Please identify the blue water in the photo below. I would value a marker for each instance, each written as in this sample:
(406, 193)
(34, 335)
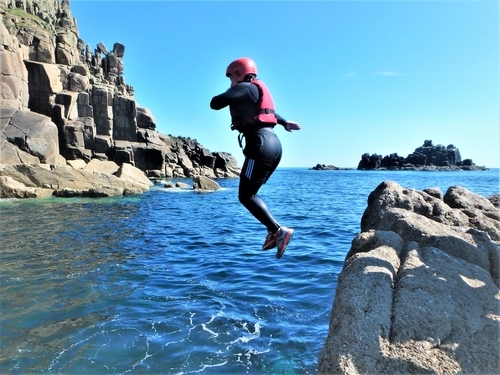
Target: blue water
(174, 281)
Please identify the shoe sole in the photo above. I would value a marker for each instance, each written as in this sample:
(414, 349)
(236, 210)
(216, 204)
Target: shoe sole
(288, 237)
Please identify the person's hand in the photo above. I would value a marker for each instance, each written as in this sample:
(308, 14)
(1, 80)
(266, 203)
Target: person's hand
(291, 125)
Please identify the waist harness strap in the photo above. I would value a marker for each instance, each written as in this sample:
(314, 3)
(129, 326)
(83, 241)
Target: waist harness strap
(265, 111)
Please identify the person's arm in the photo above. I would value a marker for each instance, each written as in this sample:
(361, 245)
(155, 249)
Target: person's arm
(288, 125)
(281, 120)
(243, 91)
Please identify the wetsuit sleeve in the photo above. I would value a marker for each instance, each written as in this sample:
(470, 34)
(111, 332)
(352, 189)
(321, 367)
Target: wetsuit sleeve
(281, 120)
(242, 92)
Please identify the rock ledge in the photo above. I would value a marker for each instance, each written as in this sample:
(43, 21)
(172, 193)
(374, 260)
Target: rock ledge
(97, 179)
(419, 290)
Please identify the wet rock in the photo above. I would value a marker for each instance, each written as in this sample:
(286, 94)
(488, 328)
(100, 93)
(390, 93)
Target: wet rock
(205, 183)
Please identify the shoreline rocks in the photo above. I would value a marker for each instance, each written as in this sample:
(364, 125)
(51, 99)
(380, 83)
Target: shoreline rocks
(41, 181)
(419, 289)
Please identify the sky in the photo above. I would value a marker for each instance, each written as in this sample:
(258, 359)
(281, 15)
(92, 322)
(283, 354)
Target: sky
(377, 77)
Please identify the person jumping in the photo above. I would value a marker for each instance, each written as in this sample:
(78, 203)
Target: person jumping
(252, 114)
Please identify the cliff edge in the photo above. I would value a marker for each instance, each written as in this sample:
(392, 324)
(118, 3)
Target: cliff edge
(419, 290)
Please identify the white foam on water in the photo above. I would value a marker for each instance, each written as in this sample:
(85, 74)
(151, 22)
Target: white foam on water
(209, 366)
(248, 355)
(204, 325)
(214, 334)
(250, 336)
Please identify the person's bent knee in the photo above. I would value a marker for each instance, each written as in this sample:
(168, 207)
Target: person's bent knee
(244, 199)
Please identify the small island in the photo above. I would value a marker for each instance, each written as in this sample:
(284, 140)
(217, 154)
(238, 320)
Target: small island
(425, 158)
(324, 167)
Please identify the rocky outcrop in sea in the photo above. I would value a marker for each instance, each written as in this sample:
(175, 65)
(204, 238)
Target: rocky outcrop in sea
(427, 157)
(328, 167)
(419, 289)
(62, 100)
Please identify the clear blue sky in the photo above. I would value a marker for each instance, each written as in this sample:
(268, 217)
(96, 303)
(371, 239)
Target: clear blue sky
(359, 76)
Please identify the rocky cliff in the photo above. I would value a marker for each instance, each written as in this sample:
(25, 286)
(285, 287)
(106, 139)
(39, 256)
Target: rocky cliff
(426, 157)
(419, 289)
(62, 100)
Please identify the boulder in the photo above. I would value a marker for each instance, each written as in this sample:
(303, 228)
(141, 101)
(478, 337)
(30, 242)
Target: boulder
(10, 188)
(100, 166)
(76, 164)
(33, 133)
(185, 162)
(418, 292)
(66, 50)
(78, 82)
(11, 154)
(495, 200)
(65, 181)
(204, 183)
(128, 172)
(145, 119)
(182, 185)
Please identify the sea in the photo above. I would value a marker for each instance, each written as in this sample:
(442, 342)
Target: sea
(174, 281)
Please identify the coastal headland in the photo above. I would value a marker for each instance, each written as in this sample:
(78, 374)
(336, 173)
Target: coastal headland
(65, 105)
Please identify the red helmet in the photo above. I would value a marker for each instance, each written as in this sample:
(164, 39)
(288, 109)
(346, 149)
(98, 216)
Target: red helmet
(239, 68)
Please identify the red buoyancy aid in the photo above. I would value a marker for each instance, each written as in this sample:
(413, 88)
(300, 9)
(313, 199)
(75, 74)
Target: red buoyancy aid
(264, 114)
(265, 106)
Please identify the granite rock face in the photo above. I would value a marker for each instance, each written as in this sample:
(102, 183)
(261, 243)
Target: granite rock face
(419, 290)
(80, 102)
(32, 133)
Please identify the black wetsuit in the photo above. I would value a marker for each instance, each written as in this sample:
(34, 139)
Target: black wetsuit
(262, 151)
